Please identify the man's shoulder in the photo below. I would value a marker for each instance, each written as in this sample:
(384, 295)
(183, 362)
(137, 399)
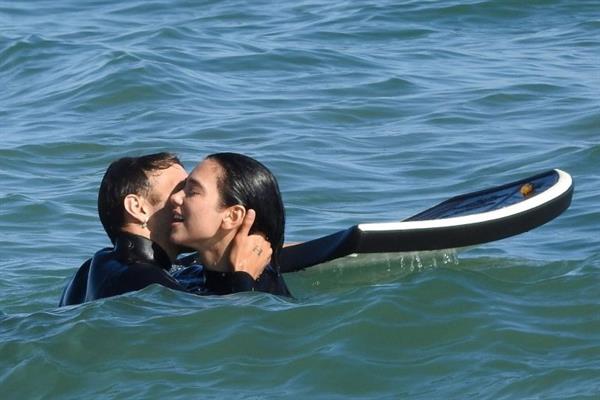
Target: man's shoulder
(74, 292)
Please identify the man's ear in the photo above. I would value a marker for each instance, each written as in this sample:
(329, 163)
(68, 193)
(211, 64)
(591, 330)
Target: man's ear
(136, 208)
(234, 216)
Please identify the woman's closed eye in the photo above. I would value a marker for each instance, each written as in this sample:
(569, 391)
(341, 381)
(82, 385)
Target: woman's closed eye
(193, 188)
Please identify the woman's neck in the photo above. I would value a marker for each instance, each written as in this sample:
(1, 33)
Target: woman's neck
(216, 256)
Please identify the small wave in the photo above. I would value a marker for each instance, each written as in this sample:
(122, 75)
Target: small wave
(390, 87)
(26, 50)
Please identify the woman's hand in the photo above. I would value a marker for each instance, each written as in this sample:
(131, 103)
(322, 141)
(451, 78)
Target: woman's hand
(249, 253)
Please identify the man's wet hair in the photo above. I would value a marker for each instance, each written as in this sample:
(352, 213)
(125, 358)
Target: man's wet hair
(247, 182)
(125, 176)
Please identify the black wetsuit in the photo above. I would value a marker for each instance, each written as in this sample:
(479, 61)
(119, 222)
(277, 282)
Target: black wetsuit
(199, 280)
(136, 262)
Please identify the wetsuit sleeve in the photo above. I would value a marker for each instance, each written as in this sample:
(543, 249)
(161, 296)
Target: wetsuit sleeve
(220, 283)
(242, 282)
(234, 282)
(271, 281)
(198, 280)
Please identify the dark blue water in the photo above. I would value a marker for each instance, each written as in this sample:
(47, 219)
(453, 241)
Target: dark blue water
(367, 111)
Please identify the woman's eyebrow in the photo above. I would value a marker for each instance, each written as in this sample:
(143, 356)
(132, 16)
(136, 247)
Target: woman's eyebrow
(179, 186)
(194, 183)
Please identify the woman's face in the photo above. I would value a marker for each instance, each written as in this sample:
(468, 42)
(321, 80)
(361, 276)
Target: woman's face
(197, 211)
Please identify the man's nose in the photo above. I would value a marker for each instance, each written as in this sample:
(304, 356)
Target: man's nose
(176, 198)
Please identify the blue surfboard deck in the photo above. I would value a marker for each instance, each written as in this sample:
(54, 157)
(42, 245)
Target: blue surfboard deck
(470, 219)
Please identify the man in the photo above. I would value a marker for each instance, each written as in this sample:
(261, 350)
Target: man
(135, 212)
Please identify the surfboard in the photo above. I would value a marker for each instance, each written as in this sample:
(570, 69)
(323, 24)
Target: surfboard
(465, 220)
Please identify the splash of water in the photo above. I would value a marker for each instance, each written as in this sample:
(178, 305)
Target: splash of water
(365, 269)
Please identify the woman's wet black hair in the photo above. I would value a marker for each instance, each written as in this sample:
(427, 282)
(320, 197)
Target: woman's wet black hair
(247, 182)
(127, 175)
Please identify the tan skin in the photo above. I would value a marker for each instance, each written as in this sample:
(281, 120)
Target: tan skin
(201, 223)
(150, 216)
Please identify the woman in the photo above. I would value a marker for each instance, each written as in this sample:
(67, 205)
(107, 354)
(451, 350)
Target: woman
(209, 210)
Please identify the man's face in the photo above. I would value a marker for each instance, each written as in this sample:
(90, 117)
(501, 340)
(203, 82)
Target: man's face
(197, 211)
(163, 183)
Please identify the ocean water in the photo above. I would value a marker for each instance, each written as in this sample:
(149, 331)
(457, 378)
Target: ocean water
(366, 111)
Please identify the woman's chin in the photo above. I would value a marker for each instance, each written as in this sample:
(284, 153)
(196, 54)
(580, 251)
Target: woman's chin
(178, 239)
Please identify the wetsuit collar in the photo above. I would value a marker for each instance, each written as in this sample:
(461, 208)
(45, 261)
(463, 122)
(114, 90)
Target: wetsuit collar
(138, 248)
